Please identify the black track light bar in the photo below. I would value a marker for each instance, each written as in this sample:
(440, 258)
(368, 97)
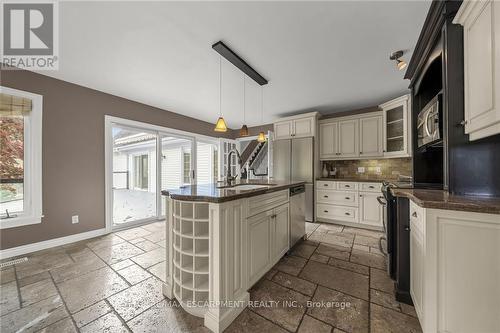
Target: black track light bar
(241, 64)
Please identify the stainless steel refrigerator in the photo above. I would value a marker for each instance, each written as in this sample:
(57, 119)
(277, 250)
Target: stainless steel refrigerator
(293, 159)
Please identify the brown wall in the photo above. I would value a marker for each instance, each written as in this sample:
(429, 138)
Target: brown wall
(73, 152)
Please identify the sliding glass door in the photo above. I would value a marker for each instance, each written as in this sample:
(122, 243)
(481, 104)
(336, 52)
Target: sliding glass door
(142, 160)
(176, 164)
(134, 175)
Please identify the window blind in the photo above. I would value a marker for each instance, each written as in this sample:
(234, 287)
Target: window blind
(14, 105)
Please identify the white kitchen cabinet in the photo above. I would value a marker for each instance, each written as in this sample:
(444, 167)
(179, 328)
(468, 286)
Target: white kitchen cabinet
(370, 137)
(353, 137)
(455, 269)
(304, 127)
(396, 127)
(268, 240)
(349, 203)
(370, 210)
(300, 126)
(283, 130)
(348, 138)
(328, 140)
(280, 232)
(259, 245)
(481, 22)
(334, 197)
(416, 257)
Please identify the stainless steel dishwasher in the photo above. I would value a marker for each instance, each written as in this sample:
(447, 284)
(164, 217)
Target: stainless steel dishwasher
(297, 213)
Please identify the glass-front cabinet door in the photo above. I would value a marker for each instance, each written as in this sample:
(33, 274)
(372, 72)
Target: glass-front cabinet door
(396, 127)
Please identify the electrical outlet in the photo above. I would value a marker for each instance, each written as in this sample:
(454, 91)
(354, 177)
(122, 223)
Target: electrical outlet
(378, 169)
(75, 219)
(361, 169)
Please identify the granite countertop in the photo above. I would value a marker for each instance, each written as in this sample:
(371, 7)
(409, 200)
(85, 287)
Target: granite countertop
(359, 180)
(440, 199)
(211, 193)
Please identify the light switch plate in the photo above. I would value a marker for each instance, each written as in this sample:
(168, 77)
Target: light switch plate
(75, 219)
(361, 169)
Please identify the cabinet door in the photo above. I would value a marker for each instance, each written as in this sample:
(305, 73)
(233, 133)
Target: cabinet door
(303, 127)
(481, 73)
(283, 130)
(328, 143)
(371, 144)
(370, 209)
(280, 234)
(416, 270)
(259, 245)
(348, 138)
(396, 131)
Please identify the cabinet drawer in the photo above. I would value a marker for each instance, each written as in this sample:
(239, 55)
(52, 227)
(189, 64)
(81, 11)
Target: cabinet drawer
(347, 186)
(264, 202)
(341, 213)
(343, 198)
(370, 187)
(326, 185)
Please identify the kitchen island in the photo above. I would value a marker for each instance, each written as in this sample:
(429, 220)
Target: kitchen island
(221, 241)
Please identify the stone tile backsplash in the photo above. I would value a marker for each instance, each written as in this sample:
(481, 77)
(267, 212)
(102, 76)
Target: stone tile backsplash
(390, 168)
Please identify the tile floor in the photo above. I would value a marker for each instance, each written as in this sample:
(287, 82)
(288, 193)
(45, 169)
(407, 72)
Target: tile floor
(333, 282)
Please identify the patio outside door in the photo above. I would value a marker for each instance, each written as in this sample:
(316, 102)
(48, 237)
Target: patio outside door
(134, 175)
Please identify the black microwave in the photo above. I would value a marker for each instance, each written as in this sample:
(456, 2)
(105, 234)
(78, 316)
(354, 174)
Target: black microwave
(429, 123)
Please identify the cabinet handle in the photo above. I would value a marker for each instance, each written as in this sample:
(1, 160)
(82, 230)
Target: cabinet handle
(325, 184)
(347, 198)
(414, 214)
(325, 211)
(273, 216)
(347, 185)
(361, 195)
(325, 196)
(371, 186)
(348, 214)
(360, 152)
(463, 123)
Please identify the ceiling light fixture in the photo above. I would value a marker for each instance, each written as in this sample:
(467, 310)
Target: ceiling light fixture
(220, 126)
(244, 128)
(262, 136)
(400, 64)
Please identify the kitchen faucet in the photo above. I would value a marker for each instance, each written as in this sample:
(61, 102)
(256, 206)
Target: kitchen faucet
(229, 177)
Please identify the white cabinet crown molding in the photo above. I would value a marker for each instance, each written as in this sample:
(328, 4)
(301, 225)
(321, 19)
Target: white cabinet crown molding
(297, 116)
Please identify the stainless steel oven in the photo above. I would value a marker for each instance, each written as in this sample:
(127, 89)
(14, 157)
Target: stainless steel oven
(429, 123)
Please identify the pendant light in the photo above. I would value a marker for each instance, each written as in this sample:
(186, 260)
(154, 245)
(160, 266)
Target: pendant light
(262, 136)
(244, 128)
(220, 126)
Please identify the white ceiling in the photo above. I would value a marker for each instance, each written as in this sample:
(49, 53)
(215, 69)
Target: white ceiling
(325, 56)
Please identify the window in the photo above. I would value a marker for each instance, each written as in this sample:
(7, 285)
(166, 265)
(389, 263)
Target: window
(186, 157)
(20, 158)
(141, 172)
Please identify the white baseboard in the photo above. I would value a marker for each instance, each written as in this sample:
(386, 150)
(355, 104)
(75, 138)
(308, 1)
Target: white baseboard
(24, 249)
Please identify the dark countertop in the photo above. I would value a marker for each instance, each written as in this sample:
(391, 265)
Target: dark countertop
(359, 180)
(440, 199)
(210, 192)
